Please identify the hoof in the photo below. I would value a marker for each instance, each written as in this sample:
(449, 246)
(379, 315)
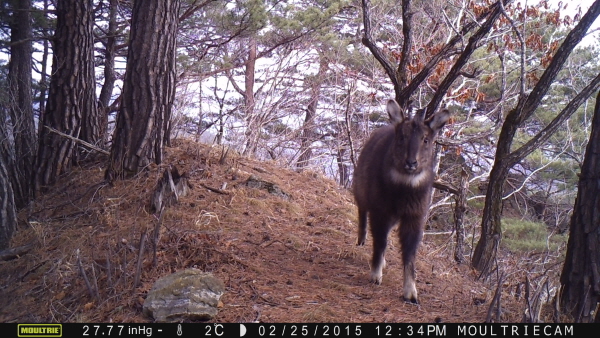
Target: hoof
(410, 293)
(376, 278)
(376, 281)
(412, 300)
(361, 240)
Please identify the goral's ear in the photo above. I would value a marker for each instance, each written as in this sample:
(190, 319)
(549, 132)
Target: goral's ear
(438, 120)
(394, 111)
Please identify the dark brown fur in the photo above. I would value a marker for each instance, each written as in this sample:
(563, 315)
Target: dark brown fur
(393, 183)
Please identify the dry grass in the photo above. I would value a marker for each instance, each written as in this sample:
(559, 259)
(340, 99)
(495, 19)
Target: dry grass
(281, 260)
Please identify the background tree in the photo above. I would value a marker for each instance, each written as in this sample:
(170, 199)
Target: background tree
(72, 95)
(8, 214)
(283, 29)
(506, 157)
(308, 127)
(46, 25)
(580, 281)
(109, 33)
(21, 105)
(149, 89)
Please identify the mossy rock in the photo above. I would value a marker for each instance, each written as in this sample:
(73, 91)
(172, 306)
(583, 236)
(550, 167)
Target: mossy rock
(185, 296)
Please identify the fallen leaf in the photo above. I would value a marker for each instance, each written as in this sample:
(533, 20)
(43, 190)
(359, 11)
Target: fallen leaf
(60, 295)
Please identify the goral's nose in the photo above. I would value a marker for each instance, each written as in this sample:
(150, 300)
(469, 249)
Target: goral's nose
(411, 165)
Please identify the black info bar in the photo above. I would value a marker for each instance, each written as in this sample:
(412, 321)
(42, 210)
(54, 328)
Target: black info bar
(257, 330)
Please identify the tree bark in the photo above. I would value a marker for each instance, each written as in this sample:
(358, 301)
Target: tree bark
(253, 120)
(44, 72)
(93, 125)
(343, 168)
(8, 214)
(253, 123)
(459, 214)
(148, 89)
(580, 278)
(109, 73)
(21, 107)
(71, 96)
(308, 132)
(491, 232)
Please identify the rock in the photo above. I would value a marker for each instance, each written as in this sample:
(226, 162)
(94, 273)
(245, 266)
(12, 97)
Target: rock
(272, 188)
(187, 295)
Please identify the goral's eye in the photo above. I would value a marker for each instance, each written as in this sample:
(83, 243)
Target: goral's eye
(426, 140)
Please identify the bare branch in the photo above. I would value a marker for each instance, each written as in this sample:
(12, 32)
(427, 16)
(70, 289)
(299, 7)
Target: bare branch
(444, 53)
(367, 40)
(218, 191)
(16, 252)
(89, 145)
(464, 57)
(194, 8)
(445, 186)
(347, 124)
(527, 106)
(138, 268)
(529, 176)
(521, 41)
(553, 126)
(496, 300)
(406, 44)
(93, 293)
(481, 135)
(234, 83)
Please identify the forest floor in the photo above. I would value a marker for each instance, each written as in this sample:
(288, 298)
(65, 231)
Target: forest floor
(282, 260)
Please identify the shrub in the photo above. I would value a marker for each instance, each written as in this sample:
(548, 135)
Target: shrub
(520, 235)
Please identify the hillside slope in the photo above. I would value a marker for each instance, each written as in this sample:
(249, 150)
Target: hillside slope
(282, 260)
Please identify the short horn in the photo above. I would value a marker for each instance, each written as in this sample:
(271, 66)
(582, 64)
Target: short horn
(420, 114)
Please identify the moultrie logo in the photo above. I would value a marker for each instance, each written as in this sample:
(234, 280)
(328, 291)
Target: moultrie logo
(39, 330)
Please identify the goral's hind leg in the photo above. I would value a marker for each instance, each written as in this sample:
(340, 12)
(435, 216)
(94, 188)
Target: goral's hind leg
(362, 226)
(411, 234)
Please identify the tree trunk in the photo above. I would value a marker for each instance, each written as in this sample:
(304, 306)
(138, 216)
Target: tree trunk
(199, 131)
(308, 133)
(580, 278)
(343, 168)
(44, 72)
(72, 96)
(252, 120)
(21, 107)
(148, 89)
(491, 231)
(93, 125)
(109, 73)
(459, 214)
(8, 214)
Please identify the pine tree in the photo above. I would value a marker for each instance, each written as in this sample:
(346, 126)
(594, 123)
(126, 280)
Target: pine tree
(149, 89)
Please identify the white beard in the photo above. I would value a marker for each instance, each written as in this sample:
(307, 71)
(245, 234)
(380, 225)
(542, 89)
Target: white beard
(410, 180)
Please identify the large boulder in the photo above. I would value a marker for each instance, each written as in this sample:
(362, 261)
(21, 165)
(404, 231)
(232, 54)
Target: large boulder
(187, 295)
